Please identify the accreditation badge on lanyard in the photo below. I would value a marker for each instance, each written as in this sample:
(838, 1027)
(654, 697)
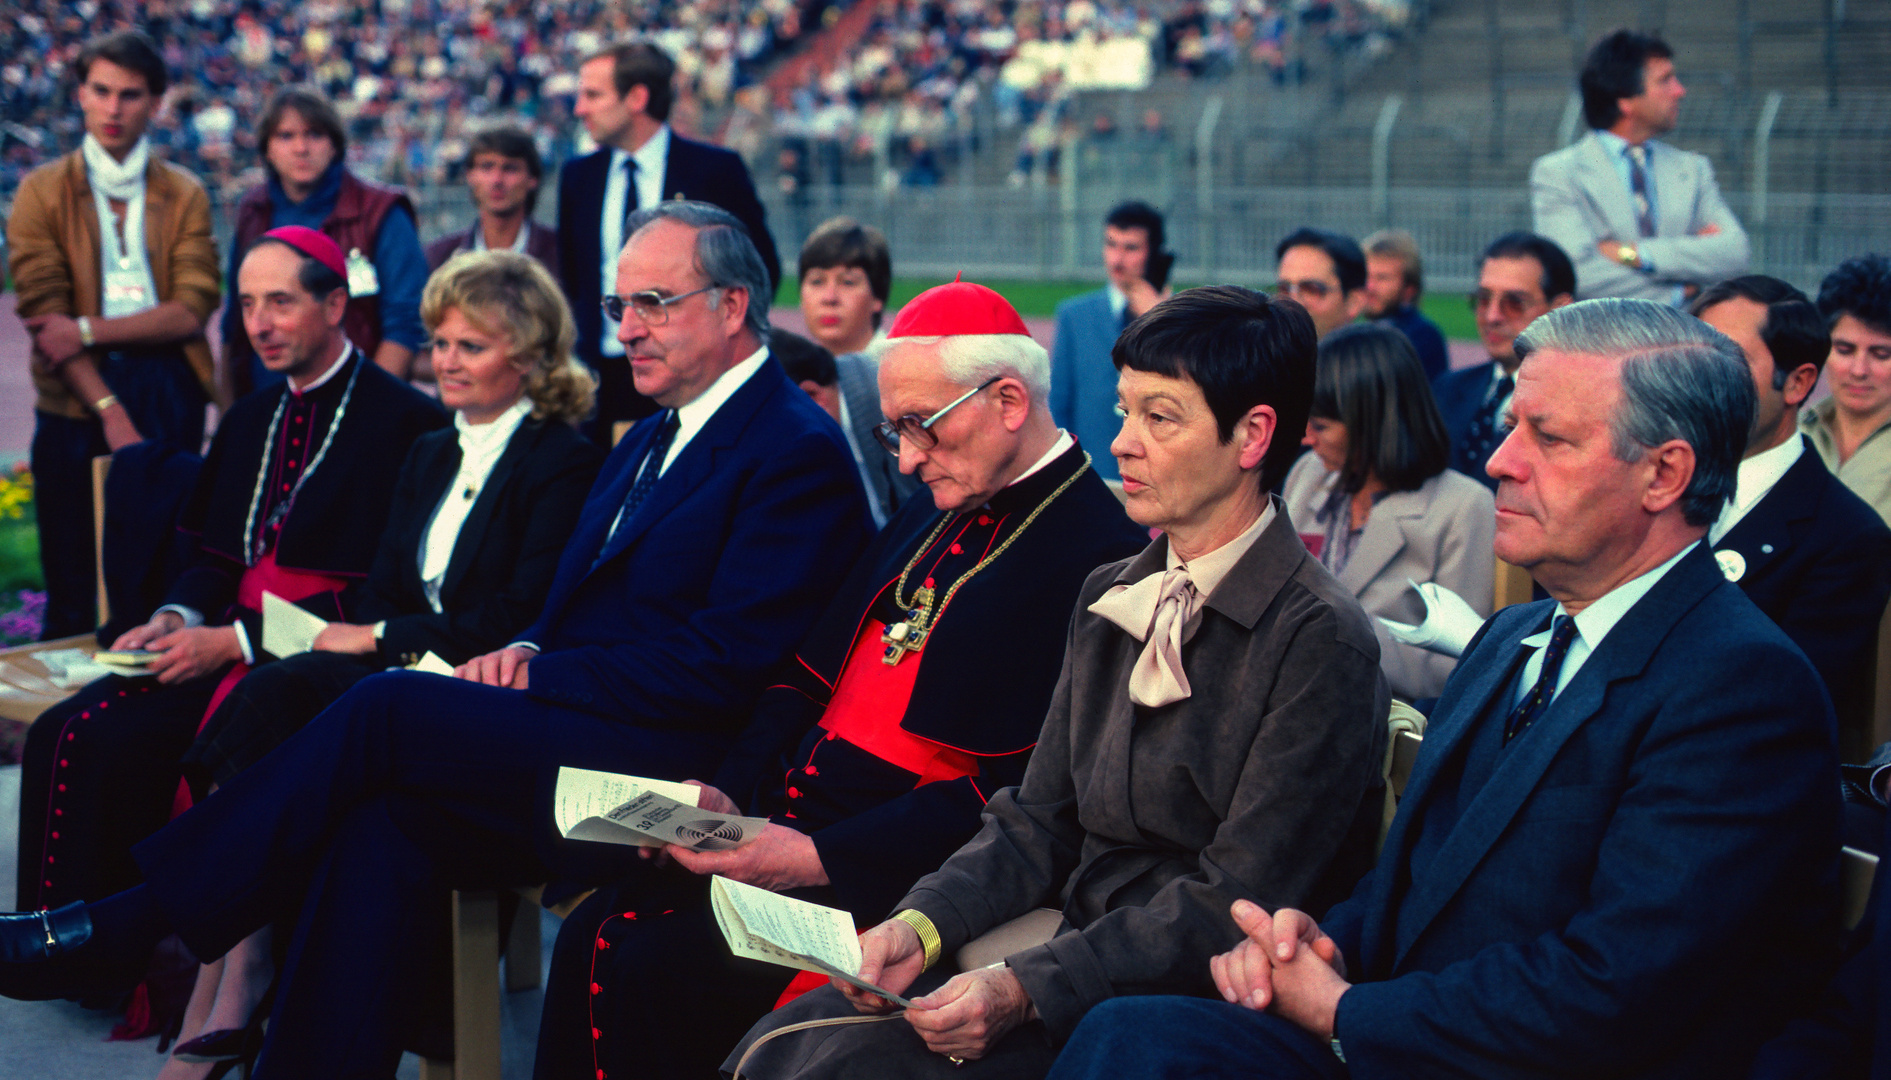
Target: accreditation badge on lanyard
(362, 280)
(127, 287)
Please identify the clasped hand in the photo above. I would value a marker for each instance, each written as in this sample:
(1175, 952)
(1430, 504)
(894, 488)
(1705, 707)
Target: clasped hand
(184, 652)
(1286, 962)
(504, 668)
(965, 1018)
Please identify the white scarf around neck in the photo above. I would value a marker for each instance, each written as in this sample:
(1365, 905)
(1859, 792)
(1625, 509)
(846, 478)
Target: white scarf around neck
(121, 180)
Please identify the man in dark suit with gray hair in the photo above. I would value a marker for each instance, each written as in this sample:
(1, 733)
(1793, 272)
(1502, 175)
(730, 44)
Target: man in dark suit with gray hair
(1617, 854)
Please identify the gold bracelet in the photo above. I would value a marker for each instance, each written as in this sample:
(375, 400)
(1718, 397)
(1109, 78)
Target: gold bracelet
(928, 933)
(106, 402)
(85, 331)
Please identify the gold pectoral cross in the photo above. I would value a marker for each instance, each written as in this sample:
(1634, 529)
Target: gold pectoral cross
(910, 633)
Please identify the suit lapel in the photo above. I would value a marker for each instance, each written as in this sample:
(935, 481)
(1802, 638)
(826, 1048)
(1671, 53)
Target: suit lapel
(1622, 655)
(1767, 531)
(473, 532)
(696, 461)
(436, 474)
(1606, 189)
(1383, 538)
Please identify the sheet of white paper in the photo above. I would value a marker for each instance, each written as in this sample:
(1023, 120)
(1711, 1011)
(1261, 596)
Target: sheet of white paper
(73, 668)
(584, 794)
(433, 665)
(287, 629)
(763, 925)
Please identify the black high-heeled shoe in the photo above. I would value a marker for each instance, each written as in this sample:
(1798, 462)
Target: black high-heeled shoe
(229, 1044)
(42, 954)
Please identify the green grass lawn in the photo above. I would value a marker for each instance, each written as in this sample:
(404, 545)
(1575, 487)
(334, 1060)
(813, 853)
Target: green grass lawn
(1040, 299)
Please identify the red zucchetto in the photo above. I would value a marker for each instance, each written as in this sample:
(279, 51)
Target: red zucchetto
(957, 307)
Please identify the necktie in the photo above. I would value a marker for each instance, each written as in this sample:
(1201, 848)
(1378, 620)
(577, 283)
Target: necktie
(1638, 184)
(647, 474)
(1482, 438)
(1537, 701)
(630, 194)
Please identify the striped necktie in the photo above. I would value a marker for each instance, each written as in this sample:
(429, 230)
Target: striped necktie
(647, 474)
(1638, 184)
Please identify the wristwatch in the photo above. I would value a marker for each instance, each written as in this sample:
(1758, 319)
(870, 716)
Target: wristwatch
(1628, 257)
(85, 331)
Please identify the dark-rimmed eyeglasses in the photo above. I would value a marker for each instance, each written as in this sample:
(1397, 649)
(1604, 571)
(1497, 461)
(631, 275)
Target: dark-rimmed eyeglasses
(1512, 305)
(651, 307)
(1311, 288)
(890, 432)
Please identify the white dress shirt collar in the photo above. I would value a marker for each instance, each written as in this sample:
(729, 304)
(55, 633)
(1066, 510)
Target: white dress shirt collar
(1758, 474)
(1119, 300)
(1593, 624)
(690, 418)
(518, 242)
(1063, 443)
(652, 159)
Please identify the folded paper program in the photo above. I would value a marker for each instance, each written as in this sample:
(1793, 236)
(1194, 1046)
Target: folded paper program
(1449, 624)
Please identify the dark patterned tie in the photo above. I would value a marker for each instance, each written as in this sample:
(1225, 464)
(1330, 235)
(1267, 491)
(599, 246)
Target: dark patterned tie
(1638, 183)
(1537, 701)
(1487, 428)
(647, 474)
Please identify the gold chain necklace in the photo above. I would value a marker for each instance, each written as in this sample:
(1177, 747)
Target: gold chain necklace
(909, 634)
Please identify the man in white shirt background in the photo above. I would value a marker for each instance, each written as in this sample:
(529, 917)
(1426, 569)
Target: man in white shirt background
(624, 97)
(1811, 554)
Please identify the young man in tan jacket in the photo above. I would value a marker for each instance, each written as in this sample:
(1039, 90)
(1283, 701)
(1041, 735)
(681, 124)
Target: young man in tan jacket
(117, 314)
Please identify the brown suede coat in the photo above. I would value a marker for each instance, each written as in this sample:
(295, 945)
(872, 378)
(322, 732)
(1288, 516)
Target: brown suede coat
(1144, 825)
(53, 253)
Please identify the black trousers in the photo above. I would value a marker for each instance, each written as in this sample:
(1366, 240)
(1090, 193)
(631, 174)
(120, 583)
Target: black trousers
(100, 774)
(408, 783)
(643, 983)
(165, 401)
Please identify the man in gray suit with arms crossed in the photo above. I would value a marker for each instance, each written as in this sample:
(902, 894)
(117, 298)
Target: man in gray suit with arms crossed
(1640, 218)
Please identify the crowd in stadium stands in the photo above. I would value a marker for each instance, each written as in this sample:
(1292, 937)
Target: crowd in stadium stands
(1144, 625)
(407, 75)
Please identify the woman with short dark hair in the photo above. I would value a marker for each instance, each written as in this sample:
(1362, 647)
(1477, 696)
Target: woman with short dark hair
(1376, 504)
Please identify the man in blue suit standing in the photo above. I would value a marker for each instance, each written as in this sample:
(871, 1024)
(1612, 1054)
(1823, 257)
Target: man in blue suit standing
(713, 538)
(1617, 854)
(1083, 377)
(1520, 276)
(624, 99)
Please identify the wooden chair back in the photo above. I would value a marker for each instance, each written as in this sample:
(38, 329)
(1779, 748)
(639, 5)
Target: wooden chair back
(1513, 586)
(1857, 869)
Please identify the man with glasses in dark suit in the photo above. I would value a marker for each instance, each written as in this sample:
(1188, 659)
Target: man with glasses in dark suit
(1325, 272)
(1520, 276)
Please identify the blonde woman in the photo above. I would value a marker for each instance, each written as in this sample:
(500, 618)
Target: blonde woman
(480, 516)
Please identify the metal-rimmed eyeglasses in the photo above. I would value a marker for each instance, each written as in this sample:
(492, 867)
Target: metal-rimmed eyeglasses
(919, 430)
(651, 307)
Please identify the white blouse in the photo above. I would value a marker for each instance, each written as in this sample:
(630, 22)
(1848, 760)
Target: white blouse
(481, 446)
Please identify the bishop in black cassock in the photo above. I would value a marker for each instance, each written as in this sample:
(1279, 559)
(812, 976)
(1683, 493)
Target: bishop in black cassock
(884, 756)
(102, 768)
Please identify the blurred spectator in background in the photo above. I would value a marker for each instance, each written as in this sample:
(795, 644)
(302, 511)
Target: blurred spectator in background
(504, 172)
(625, 93)
(1521, 276)
(1325, 273)
(846, 277)
(1376, 504)
(1640, 218)
(307, 183)
(1395, 279)
(116, 313)
(1083, 376)
(1848, 428)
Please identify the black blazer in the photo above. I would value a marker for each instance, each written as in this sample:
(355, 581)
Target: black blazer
(693, 170)
(1817, 560)
(1460, 395)
(505, 556)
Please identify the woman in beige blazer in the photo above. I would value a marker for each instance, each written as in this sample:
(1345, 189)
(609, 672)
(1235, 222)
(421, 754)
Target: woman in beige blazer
(1376, 504)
